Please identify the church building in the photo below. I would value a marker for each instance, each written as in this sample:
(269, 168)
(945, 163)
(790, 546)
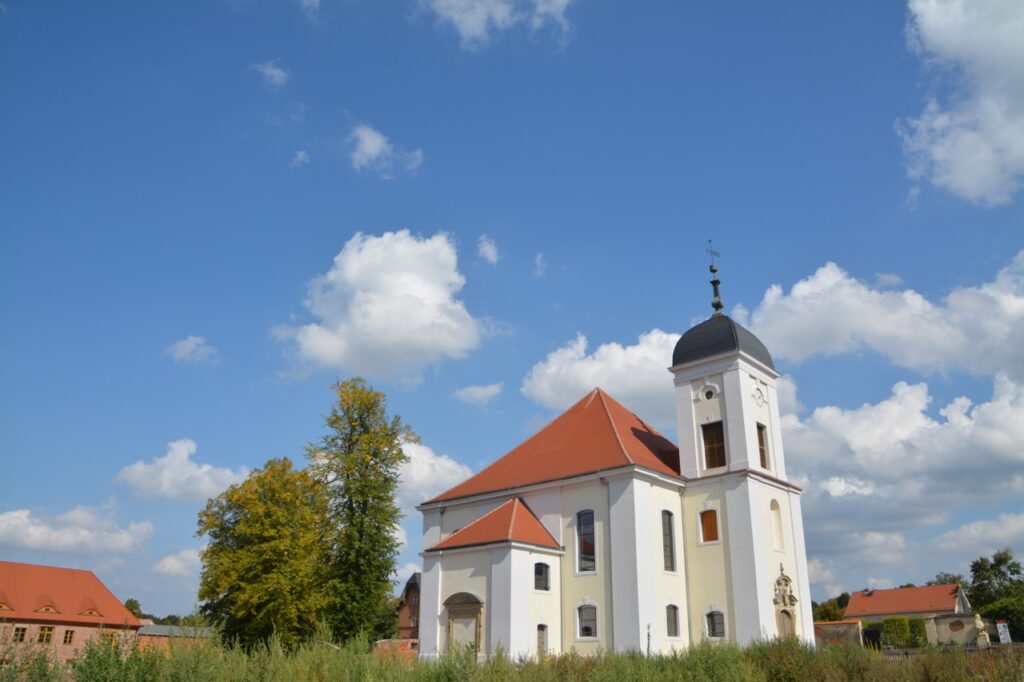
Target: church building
(598, 533)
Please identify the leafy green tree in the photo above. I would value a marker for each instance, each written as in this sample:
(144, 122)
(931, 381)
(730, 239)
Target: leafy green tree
(358, 462)
(264, 565)
(1010, 609)
(133, 605)
(996, 578)
(828, 611)
(944, 578)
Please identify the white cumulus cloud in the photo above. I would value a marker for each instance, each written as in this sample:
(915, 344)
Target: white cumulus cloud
(984, 537)
(488, 249)
(273, 75)
(388, 306)
(476, 21)
(177, 476)
(979, 329)
(479, 395)
(82, 529)
(185, 563)
(425, 475)
(971, 142)
(372, 150)
(301, 158)
(636, 375)
(192, 350)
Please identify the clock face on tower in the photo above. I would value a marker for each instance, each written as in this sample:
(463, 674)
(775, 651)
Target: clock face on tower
(759, 397)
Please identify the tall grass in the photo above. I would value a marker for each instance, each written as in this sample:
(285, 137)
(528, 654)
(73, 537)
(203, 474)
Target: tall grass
(321, 659)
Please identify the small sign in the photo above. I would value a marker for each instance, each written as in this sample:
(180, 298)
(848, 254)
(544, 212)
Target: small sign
(956, 626)
(1003, 628)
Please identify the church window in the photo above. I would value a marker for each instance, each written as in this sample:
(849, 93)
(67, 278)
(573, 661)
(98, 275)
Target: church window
(715, 624)
(45, 634)
(69, 636)
(762, 444)
(709, 525)
(672, 620)
(586, 559)
(668, 541)
(541, 577)
(776, 514)
(714, 445)
(588, 621)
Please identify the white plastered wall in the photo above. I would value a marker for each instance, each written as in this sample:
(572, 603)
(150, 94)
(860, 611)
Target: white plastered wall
(546, 607)
(586, 588)
(708, 573)
(465, 571)
(669, 586)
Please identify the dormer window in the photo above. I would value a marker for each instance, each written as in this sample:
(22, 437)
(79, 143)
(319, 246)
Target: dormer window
(714, 445)
(90, 612)
(47, 609)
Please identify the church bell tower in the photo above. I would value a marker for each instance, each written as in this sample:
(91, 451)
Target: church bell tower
(742, 512)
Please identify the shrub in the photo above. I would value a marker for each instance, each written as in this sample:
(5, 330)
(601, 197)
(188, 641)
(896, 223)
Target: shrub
(918, 632)
(896, 632)
(1010, 609)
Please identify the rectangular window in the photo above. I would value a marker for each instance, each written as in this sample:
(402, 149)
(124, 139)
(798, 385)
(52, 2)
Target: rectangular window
(414, 600)
(414, 621)
(586, 560)
(714, 445)
(709, 525)
(69, 636)
(45, 634)
(588, 621)
(541, 577)
(668, 541)
(672, 618)
(19, 634)
(762, 444)
(107, 637)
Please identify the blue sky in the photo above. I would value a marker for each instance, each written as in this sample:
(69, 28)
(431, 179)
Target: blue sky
(209, 212)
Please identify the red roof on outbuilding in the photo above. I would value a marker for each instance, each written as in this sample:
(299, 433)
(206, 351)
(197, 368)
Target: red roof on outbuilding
(927, 599)
(510, 522)
(28, 589)
(595, 434)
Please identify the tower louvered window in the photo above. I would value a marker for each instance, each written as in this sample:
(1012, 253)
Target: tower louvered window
(714, 445)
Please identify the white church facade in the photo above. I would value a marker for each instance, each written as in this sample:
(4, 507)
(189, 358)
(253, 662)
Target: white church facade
(598, 533)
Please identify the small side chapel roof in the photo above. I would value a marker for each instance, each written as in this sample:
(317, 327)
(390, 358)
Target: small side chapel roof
(510, 522)
(595, 434)
(925, 599)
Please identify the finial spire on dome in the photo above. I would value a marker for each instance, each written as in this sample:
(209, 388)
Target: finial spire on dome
(716, 301)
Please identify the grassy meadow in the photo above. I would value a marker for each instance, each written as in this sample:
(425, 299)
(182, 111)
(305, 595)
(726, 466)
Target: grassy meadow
(320, 659)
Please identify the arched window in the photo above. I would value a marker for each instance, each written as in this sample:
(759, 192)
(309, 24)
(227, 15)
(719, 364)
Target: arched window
(585, 559)
(668, 541)
(588, 620)
(709, 525)
(777, 539)
(672, 620)
(541, 577)
(715, 623)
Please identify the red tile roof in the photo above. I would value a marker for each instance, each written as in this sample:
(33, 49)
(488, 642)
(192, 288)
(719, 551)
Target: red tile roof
(927, 599)
(595, 434)
(510, 522)
(27, 588)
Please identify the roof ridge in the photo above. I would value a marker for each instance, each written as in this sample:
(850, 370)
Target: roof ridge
(512, 518)
(615, 429)
(440, 496)
(480, 518)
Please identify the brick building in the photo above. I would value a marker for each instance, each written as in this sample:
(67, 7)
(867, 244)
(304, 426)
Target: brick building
(58, 608)
(409, 609)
